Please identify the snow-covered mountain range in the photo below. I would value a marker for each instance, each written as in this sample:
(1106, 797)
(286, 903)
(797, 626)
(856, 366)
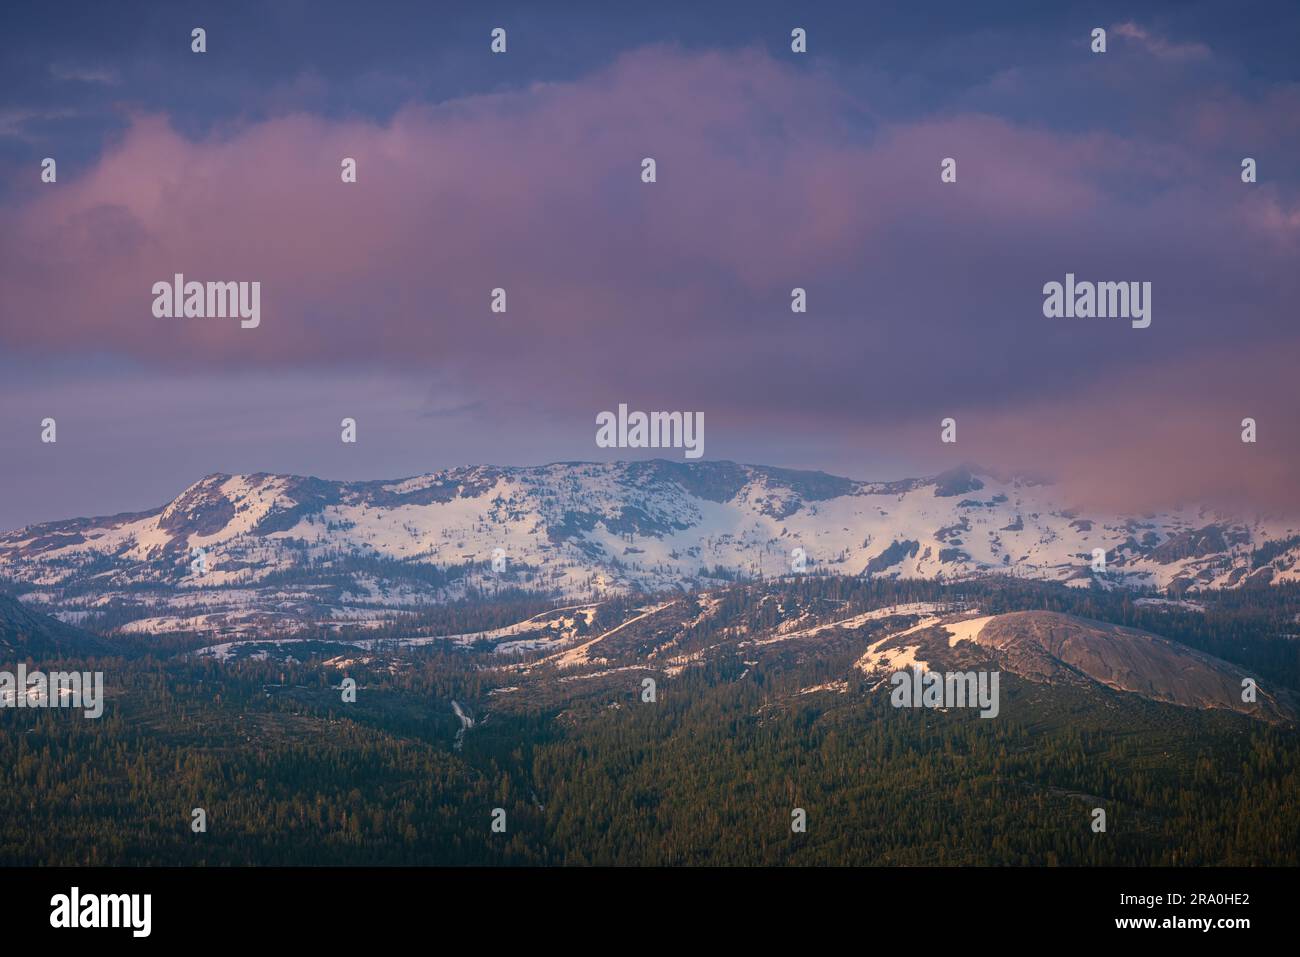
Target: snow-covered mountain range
(234, 555)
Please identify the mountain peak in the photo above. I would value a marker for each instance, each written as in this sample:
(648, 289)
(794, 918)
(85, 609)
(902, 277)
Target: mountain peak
(302, 551)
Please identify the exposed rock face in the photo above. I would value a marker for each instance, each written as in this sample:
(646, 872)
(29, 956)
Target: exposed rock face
(1046, 646)
(1194, 543)
(1051, 648)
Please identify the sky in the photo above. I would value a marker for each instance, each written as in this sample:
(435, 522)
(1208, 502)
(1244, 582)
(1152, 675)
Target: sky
(775, 170)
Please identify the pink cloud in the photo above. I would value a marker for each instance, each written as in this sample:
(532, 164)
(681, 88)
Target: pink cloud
(537, 191)
(924, 297)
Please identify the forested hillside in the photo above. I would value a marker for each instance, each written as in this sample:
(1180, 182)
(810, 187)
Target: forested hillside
(708, 773)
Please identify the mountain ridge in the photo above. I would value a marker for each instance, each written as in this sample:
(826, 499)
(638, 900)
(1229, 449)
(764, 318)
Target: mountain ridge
(264, 550)
(28, 633)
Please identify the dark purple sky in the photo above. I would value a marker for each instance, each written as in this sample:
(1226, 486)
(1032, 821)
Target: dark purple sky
(774, 170)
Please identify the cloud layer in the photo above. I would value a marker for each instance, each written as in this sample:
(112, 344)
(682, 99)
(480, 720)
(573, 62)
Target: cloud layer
(924, 298)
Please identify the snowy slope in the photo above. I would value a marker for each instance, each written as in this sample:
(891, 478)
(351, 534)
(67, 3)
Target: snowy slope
(258, 554)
